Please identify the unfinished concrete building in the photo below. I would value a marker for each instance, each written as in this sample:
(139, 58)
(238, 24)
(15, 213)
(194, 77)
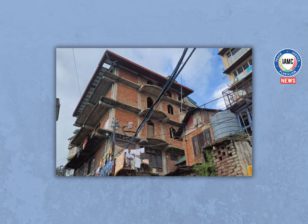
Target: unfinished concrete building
(116, 99)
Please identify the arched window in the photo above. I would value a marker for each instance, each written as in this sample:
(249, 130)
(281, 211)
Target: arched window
(170, 109)
(149, 102)
(172, 132)
(150, 129)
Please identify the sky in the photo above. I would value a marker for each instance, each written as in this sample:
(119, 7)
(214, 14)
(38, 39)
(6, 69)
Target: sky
(75, 66)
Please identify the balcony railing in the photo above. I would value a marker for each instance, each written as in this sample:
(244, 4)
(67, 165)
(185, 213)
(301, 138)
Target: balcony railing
(243, 75)
(237, 56)
(236, 95)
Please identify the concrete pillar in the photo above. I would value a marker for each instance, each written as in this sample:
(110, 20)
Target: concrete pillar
(164, 162)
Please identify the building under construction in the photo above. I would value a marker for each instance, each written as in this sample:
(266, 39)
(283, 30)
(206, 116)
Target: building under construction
(113, 105)
(178, 137)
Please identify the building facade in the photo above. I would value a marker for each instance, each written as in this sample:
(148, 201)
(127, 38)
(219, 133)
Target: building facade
(214, 140)
(113, 105)
(231, 148)
(233, 153)
(197, 134)
(238, 97)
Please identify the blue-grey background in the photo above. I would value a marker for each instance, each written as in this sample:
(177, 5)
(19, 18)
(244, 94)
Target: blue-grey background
(31, 193)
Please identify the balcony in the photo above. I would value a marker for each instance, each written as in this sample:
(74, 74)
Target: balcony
(154, 142)
(237, 56)
(243, 75)
(151, 89)
(79, 137)
(101, 89)
(157, 115)
(83, 155)
(235, 60)
(96, 114)
(84, 115)
(238, 94)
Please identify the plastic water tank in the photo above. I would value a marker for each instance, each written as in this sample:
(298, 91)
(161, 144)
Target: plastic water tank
(225, 123)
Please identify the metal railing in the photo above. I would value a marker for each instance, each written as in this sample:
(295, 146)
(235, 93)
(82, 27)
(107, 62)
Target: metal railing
(243, 75)
(234, 96)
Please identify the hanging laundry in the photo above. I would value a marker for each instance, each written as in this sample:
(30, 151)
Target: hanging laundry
(107, 169)
(132, 158)
(137, 162)
(129, 159)
(141, 150)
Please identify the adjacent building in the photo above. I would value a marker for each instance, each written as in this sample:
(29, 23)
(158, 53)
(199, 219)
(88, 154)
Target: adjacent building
(114, 103)
(238, 97)
(221, 140)
(197, 134)
(231, 148)
(214, 140)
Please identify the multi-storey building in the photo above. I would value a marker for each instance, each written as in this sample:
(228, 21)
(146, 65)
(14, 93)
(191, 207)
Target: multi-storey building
(238, 97)
(114, 103)
(223, 138)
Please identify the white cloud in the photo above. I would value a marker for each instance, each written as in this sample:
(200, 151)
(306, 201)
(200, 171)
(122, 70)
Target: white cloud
(198, 71)
(220, 104)
(156, 59)
(196, 75)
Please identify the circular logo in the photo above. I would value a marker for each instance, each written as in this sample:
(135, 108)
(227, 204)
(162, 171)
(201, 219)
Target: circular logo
(288, 62)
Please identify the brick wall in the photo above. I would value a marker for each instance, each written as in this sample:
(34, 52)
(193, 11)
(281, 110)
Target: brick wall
(127, 75)
(232, 159)
(192, 130)
(127, 95)
(176, 111)
(171, 161)
(191, 158)
(123, 117)
(157, 130)
(174, 142)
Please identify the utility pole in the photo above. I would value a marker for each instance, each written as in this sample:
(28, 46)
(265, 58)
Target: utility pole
(114, 125)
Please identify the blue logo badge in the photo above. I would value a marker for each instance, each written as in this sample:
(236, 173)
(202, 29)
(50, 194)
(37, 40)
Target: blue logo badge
(288, 62)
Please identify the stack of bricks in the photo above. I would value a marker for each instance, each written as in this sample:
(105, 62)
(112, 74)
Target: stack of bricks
(226, 160)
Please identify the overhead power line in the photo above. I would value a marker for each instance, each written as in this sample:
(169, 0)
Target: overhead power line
(76, 72)
(166, 87)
